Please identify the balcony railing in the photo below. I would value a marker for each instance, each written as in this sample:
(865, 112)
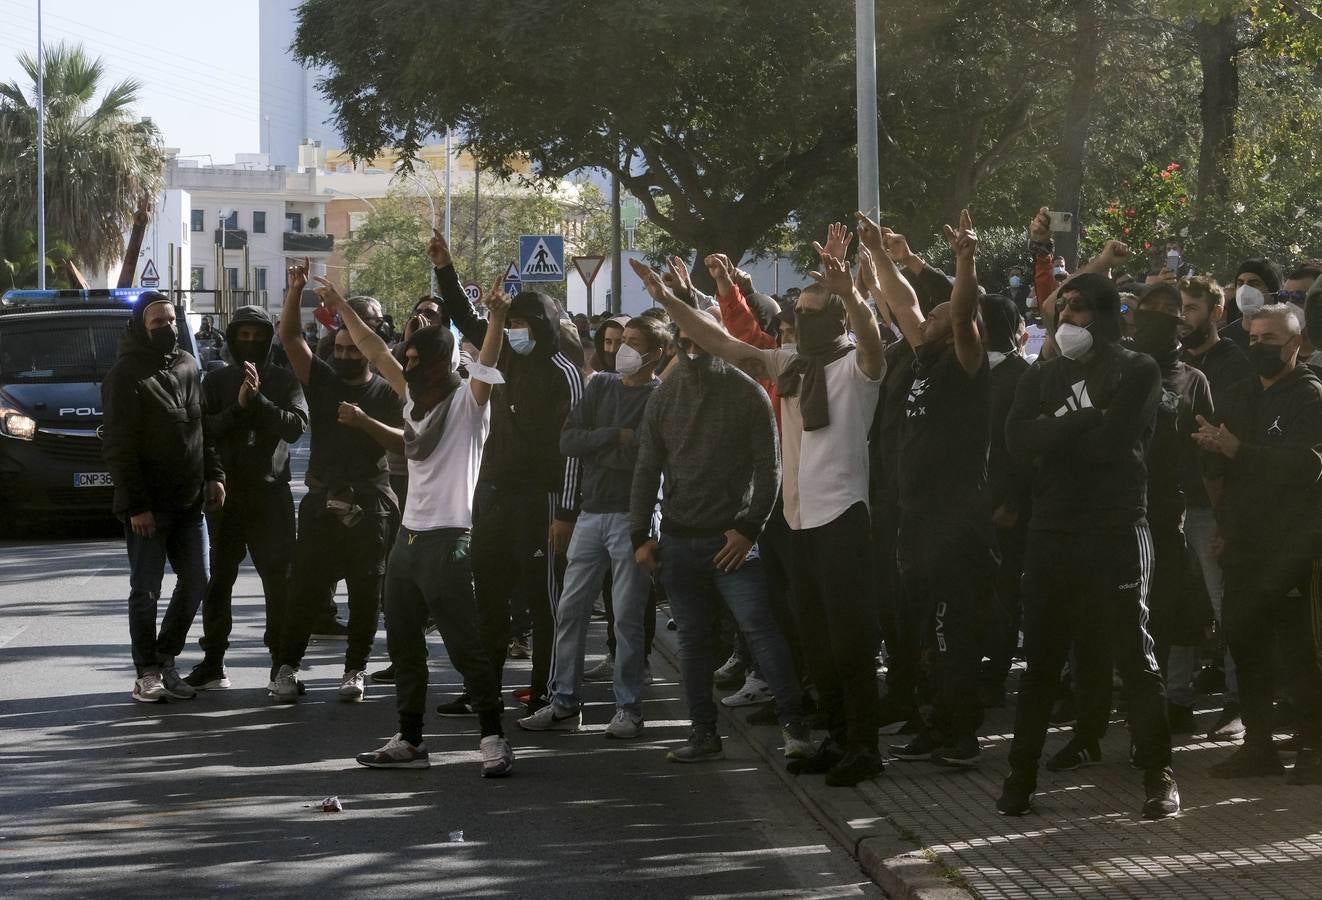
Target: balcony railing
(235, 238)
(298, 242)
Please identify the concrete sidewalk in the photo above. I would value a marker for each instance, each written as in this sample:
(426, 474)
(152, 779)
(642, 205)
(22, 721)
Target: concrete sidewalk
(922, 831)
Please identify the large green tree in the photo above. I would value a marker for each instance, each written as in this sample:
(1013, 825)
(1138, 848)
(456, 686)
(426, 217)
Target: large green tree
(100, 159)
(386, 255)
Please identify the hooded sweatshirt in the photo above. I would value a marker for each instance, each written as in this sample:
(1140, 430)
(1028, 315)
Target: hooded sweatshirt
(529, 409)
(154, 444)
(1084, 426)
(1273, 486)
(253, 441)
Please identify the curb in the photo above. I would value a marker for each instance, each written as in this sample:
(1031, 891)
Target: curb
(876, 842)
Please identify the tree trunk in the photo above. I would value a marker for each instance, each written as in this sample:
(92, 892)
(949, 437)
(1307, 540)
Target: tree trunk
(1077, 122)
(1218, 59)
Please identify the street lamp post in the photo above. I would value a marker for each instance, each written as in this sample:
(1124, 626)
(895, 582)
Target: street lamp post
(41, 156)
(869, 180)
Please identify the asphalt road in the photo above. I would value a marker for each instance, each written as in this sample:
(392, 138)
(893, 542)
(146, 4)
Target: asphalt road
(101, 796)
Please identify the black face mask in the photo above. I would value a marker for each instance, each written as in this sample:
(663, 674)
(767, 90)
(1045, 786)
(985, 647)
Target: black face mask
(349, 369)
(254, 352)
(163, 338)
(818, 331)
(1266, 359)
(1155, 334)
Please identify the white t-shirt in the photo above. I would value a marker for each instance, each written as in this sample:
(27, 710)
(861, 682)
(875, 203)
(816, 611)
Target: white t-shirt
(826, 471)
(441, 486)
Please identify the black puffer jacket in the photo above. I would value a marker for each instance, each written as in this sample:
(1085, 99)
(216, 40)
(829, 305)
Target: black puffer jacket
(154, 441)
(253, 441)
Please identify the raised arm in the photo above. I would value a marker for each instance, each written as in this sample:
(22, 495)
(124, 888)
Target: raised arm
(890, 287)
(964, 298)
(700, 328)
(837, 278)
(367, 341)
(498, 307)
(454, 301)
(291, 323)
(735, 314)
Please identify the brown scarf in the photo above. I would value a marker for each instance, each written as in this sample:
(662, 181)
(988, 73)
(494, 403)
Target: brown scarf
(822, 341)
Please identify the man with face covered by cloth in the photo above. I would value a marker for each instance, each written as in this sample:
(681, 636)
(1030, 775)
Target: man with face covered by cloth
(254, 411)
(1084, 420)
(345, 519)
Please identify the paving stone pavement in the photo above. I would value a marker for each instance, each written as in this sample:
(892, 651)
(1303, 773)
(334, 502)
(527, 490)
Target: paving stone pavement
(1246, 838)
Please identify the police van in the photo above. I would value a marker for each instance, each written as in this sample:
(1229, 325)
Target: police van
(56, 347)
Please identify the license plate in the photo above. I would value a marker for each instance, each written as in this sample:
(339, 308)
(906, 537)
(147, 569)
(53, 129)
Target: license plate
(93, 479)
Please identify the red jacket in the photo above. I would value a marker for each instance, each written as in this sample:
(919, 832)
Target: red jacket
(739, 321)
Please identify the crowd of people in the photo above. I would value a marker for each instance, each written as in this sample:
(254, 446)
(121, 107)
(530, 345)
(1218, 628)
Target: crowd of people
(886, 473)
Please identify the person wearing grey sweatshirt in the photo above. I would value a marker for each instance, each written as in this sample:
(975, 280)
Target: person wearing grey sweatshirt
(601, 432)
(709, 430)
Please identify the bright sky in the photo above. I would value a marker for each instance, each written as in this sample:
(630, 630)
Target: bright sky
(197, 61)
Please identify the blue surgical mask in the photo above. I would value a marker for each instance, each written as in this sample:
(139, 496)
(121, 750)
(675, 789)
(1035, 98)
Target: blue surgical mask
(521, 341)
(1015, 281)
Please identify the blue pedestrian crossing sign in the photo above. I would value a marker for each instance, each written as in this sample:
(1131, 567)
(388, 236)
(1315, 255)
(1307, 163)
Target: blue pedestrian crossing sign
(542, 257)
(513, 283)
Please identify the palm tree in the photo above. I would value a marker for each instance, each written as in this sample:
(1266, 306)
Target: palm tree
(100, 161)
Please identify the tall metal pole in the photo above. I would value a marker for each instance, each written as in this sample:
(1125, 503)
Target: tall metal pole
(869, 180)
(41, 156)
(448, 163)
(477, 210)
(617, 276)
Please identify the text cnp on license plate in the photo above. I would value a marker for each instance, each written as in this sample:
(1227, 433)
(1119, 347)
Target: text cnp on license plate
(93, 479)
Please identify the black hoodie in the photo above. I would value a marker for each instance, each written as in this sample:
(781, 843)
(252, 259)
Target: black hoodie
(1273, 487)
(529, 409)
(253, 441)
(154, 441)
(1085, 427)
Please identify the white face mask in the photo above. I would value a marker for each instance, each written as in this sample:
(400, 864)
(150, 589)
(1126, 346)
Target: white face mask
(790, 347)
(628, 361)
(1249, 299)
(1073, 341)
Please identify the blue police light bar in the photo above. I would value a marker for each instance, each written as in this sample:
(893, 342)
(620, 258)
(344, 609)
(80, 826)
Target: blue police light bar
(34, 298)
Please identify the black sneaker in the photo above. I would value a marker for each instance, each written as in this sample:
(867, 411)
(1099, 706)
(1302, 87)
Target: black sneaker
(1229, 725)
(208, 677)
(920, 748)
(858, 764)
(828, 756)
(1180, 717)
(1249, 761)
(457, 708)
(702, 745)
(1075, 755)
(1163, 795)
(334, 630)
(384, 676)
(1307, 768)
(963, 754)
(1016, 794)
(1210, 680)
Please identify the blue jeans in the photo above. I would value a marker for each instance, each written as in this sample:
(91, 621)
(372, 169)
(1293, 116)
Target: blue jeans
(695, 585)
(601, 544)
(180, 539)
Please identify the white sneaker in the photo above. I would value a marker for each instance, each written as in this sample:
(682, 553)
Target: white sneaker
(625, 726)
(798, 742)
(754, 692)
(285, 688)
(354, 686)
(552, 718)
(148, 688)
(602, 671)
(497, 756)
(396, 754)
(175, 687)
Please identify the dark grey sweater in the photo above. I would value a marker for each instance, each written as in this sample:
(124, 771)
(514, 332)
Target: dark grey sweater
(710, 431)
(592, 434)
